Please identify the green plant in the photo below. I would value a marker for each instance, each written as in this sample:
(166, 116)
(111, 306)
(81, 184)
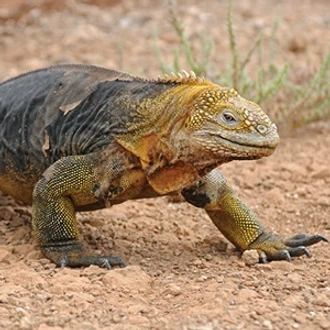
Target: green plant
(197, 64)
(290, 103)
(270, 79)
(311, 101)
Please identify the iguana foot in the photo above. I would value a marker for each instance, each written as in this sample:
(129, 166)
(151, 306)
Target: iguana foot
(271, 247)
(75, 255)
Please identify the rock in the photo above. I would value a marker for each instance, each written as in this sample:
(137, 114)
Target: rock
(250, 257)
(4, 254)
(129, 278)
(284, 265)
(322, 300)
(268, 325)
(247, 294)
(322, 174)
(174, 289)
(274, 196)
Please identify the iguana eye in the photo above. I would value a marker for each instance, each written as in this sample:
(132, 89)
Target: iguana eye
(229, 118)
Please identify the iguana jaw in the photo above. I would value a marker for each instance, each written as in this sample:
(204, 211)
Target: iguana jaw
(210, 147)
(249, 145)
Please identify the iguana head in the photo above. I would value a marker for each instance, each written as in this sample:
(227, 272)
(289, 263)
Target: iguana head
(222, 126)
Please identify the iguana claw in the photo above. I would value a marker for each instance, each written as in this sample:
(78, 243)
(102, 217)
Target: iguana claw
(75, 255)
(305, 240)
(271, 247)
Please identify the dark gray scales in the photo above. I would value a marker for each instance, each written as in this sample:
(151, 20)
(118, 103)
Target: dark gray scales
(65, 110)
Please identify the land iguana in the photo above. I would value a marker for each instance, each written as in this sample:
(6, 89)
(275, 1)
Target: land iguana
(79, 137)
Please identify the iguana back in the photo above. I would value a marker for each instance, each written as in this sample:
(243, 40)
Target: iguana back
(60, 111)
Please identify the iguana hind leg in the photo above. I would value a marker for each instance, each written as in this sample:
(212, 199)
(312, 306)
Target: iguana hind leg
(239, 224)
(64, 185)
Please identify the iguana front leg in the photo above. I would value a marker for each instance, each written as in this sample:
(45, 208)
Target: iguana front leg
(239, 224)
(67, 184)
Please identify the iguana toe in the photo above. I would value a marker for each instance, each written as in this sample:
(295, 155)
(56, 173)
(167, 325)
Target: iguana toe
(304, 240)
(75, 255)
(272, 247)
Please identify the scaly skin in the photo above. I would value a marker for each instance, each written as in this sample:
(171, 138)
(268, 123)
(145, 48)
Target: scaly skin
(77, 138)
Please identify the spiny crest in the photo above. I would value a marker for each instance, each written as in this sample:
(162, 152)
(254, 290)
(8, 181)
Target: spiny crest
(181, 78)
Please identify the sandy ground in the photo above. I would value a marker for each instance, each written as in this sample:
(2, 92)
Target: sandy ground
(182, 273)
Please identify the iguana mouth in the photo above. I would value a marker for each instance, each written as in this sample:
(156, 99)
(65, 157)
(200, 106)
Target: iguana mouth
(270, 143)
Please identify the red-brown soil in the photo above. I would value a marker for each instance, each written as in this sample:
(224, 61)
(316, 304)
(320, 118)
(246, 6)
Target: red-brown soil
(182, 274)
